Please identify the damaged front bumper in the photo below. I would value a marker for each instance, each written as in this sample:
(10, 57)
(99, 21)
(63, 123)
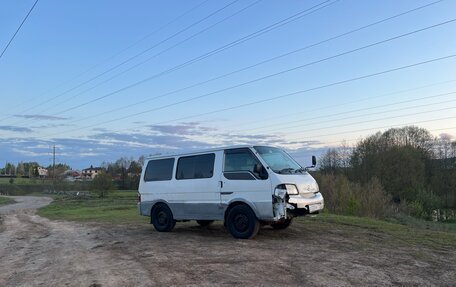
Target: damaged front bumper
(297, 205)
(307, 203)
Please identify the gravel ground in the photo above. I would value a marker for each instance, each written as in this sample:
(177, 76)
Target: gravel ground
(39, 252)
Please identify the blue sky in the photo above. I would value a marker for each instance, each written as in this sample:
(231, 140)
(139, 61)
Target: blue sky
(69, 53)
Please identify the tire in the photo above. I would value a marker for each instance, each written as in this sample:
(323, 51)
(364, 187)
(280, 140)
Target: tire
(204, 223)
(242, 222)
(162, 218)
(281, 224)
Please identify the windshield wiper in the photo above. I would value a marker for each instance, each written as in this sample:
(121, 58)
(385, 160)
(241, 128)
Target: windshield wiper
(301, 170)
(287, 170)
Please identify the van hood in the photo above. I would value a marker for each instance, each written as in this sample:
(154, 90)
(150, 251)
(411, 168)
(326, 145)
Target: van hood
(304, 182)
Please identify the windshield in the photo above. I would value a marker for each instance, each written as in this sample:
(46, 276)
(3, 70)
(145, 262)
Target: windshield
(278, 160)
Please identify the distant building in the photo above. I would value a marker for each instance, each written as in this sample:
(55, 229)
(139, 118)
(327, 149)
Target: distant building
(91, 172)
(72, 175)
(42, 172)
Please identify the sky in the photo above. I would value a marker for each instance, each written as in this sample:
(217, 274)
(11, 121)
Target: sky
(106, 79)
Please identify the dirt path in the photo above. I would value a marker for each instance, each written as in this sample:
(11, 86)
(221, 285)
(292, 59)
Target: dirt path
(38, 252)
(24, 204)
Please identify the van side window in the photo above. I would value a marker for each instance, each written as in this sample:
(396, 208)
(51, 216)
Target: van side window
(160, 169)
(240, 164)
(196, 166)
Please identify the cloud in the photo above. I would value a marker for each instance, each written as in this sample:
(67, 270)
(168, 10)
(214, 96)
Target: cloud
(41, 117)
(161, 141)
(190, 128)
(106, 146)
(16, 129)
(51, 125)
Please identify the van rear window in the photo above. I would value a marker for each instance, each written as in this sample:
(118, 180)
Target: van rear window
(160, 169)
(196, 166)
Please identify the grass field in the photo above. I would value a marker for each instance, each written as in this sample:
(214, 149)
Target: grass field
(117, 207)
(23, 181)
(6, 200)
(370, 231)
(120, 208)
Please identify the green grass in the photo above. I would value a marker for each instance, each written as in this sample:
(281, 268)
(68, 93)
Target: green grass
(368, 231)
(119, 207)
(6, 200)
(25, 181)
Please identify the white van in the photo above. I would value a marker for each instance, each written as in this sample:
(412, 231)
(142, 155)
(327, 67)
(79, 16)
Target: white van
(244, 186)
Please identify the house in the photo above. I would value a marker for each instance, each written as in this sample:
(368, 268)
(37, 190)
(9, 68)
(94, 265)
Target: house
(91, 172)
(73, 175)
(42, 172)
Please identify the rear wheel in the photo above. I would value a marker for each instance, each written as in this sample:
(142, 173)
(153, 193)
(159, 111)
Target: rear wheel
(242, 222)
(281, 224)
(162, 218)
(205, 222)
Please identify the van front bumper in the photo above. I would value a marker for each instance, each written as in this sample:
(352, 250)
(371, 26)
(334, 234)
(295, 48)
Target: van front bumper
(306, 203)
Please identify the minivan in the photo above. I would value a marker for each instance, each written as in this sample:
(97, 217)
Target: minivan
(244, 186)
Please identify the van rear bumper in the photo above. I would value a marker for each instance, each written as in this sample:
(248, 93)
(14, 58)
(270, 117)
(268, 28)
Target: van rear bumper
(307, 203)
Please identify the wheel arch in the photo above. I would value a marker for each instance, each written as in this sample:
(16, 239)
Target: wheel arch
(238, 201)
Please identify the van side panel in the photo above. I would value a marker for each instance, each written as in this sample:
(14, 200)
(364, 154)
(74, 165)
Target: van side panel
(197, 198)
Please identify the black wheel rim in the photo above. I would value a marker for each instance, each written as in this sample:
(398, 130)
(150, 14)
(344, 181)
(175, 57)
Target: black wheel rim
(162, 218)
(241, 222)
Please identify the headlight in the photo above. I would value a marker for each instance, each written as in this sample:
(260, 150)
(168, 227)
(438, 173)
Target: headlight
(282, 189)
(291, 189)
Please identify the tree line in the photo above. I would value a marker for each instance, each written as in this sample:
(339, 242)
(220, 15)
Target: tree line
(404, 169)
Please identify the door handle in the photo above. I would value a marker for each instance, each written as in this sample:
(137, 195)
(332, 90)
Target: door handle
(221, 184)
(226, 192)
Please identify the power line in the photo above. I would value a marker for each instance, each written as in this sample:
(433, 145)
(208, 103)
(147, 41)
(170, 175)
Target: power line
(108, 59)
(306, 120)
(335, 105)
(152, 57)
(271, 27)
(18, 28)
(375, 120)
(358, 138)
(259, 63)
(384, 127)
(148, 49)
(280, 72)
(300, 113)
(277, 73)
(297, 92)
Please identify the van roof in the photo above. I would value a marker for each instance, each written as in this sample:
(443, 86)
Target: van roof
(199, 151)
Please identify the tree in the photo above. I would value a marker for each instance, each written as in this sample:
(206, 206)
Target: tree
(102, 184)
(58, 172)
(135, 168)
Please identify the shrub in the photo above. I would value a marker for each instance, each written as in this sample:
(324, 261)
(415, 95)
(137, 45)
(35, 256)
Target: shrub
(102, 184)
(348, 198)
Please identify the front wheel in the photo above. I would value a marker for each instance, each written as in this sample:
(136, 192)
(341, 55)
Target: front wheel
(281, 224)
(162, 218)
(242, 222)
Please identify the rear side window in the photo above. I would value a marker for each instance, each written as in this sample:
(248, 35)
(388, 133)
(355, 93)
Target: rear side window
(160, 169)
(197, 166)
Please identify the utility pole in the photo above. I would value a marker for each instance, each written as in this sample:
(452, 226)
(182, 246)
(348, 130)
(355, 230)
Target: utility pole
(53, 168)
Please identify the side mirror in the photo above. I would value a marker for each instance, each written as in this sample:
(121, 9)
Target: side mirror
(257, 168)
(260, 171)
(314, 160)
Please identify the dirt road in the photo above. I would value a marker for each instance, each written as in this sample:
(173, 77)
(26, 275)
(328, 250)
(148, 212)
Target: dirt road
(38, 252)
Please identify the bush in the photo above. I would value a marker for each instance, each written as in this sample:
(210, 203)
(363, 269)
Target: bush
(102, 184)
(348, 198)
